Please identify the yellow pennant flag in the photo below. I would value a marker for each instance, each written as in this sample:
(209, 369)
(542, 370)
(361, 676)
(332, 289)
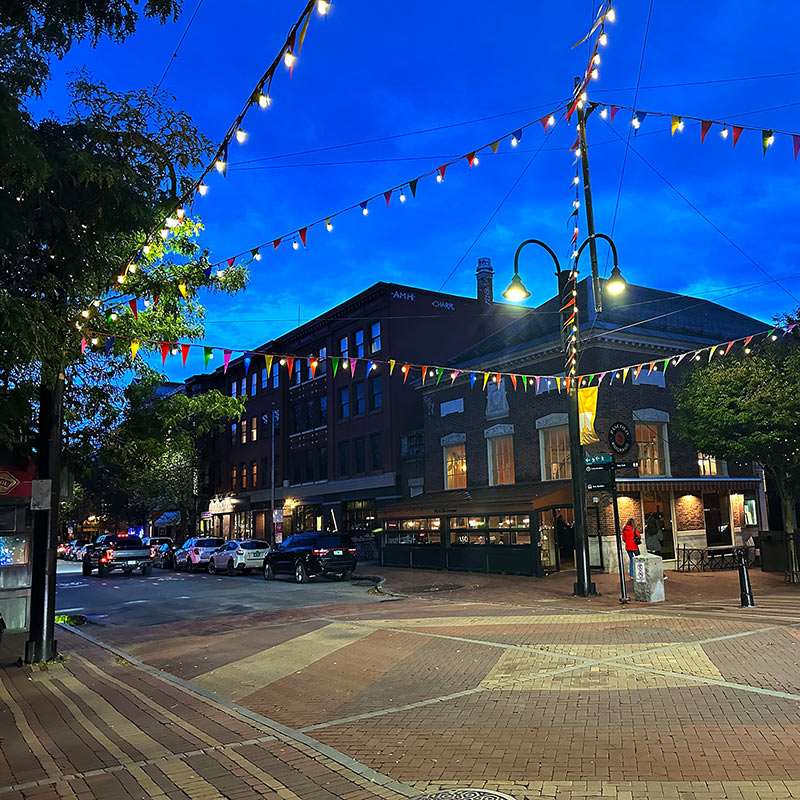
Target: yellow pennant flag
(182, 288)
(676, 123)
(587, 410)
(625, 374)
(392, 362)
(494, 146)
(712, 351)
(134, 348)
(485, 379)
(302, 36)
(268, 359)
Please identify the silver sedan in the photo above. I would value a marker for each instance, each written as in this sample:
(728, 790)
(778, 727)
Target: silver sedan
(239, 557)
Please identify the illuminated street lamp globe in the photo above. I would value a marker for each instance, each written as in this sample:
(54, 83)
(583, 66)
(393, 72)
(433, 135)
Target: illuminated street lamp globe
(616, 283)
(516, 291)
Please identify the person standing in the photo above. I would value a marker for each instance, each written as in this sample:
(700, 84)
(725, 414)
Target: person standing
(653, 535)
(632, 539)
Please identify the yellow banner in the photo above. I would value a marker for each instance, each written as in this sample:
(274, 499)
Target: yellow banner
(587, 410)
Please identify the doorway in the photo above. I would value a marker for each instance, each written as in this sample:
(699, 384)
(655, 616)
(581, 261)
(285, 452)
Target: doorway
(557, 538)
(657, 512)
(717, 513)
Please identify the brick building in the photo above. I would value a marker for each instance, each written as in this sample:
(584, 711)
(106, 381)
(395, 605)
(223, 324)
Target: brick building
(343, 444)
(497, 484)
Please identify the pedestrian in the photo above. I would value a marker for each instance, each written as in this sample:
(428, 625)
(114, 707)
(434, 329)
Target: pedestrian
(632, 539)
(653, 535)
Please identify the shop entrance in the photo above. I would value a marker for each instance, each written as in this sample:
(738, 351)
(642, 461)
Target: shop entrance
(716, 510)
(557, 538)
(657, 510)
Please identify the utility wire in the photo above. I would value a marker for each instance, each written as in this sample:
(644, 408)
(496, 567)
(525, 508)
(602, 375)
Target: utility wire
(178, 46)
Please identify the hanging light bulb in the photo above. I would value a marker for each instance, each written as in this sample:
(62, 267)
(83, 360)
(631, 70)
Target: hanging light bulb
(577, 152)
(113, 316)
(681, 125)
(439, 178)
(170, 222)
(132, 268)
(611, 15)
(180, 213)
(551, 120)
(295, 245)
(146, 249)
(202, 189)
(514, 141)
(85, 314)
(576, 203)
(163, 233)
(595, 73)
(120, 279)
(147, 303)
(219, 164)
(770, 140)
(724, 133)
(220, 273)
(365, 211)
(475, 161)
(328, 225)
(174, 351)
(603, 39)
(774, 338)
(94, 340)
(257, 256)
(604, 114)
(264, 100)
(323, 7)
(283, 361)
(96, 303)
(635, 122)
(288, 58)
(402, 196)
(241, 136)
(747, 350)
(596, 59)
(576, 180)
(580, 104)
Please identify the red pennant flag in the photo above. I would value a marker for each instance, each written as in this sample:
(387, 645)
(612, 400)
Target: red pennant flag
(514, 381)
(302, 233)
(424, 374)
(576, 142)
(164, 352)
(404, 370)
(796, 143)
(230, 261)
(185, 352)
(637, 371)
(132, 304)
(727, 349)
(226, 359)
(737, 132)
(312, 365)
(544, 120)
(705, 127)
(442, 169)
(155, 301)
(83, 345)
(613, 110)
(497, 379)
(747, 341)
(275, 244)
(388, 196)
(290, 364)
(471, 158)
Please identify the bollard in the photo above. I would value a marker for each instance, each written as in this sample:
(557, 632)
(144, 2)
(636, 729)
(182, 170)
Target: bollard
(745, 590)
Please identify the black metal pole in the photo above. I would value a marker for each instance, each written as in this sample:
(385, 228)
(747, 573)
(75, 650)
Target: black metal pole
(745, 590)
(623, 592)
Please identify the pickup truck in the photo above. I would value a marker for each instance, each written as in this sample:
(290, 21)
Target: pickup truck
(117, 551)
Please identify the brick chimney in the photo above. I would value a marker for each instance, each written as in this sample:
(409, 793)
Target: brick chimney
(484, 275)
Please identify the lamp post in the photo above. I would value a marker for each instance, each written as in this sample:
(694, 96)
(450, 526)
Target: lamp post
(568, 305)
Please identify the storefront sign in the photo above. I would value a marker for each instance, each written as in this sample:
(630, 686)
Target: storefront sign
(620, 438)
(7, 483)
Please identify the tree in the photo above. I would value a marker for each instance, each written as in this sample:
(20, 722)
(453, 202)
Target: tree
(748, 409)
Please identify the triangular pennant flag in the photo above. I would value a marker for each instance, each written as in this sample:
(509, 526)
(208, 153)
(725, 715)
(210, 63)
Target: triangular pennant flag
(705, 127)
(600, 379)
(651, 366)
(226, 358)
(625, 372)
(230, 261)
(363, 206)
(666, 364)
(796, 143)
(640, 115)
(268, 362)
(485, 380)
(83, 345)
(185, 352)
(453, 376)
(613, 375)
(767, 139)
(538, 378)
(290, 364)
(737, 132)
(514, 381)
(388, 196)
(544, 120)
(424, 374)
(207, 272)
(413, 186)
(637, 370)
(164, 352)
(497, 379)
(302, 233)
(471, 158)
(558, 384)
(676, 121)
(392, 362)
(439, 374)
(254, 252)
(353, 363)
(134, 348)
(566, 384)
(370, 366)
(711, 351)
(442, 169)
(525, 382)
(302, 36)
(335, 364)
(312, 367)
(576, 142)
(472, 379)
(182, 289)
(109, 344)
(207, 353)
(680, 358)
(591, 378)
(405, 370)
(494, 146)
(518, 135)
(275, 244)
(728, 348)
(132, 304)
(613, 110)
(246, 358)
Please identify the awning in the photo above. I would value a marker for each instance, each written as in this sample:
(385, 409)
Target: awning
(706, 484)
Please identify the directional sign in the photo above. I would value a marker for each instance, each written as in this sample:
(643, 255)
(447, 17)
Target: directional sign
(601, 458)
(626, 465)
(599, 477)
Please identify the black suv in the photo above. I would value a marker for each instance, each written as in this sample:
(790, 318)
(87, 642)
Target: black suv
(305, 555)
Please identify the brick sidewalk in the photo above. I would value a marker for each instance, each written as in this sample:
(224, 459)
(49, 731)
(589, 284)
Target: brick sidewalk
(98, 726)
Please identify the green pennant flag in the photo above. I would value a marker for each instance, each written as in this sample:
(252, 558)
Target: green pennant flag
(207, 352)
(439, 375)
(666, 364)
(335, 364)
(591, 378)
(413, 186)
(767, 139)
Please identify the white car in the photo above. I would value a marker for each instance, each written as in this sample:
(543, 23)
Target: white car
(195, 553)
(237, 558)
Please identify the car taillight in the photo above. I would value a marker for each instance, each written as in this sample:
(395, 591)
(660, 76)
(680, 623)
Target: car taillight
(240, 552)
(109, 554)
(351, 550)
(152, 552)
(196, 552)
(320, 552)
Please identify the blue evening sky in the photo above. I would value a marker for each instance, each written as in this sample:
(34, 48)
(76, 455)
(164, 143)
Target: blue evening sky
(373, 70)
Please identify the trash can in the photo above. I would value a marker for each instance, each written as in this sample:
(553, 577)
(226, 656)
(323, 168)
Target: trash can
(773, 550)
(648, 578)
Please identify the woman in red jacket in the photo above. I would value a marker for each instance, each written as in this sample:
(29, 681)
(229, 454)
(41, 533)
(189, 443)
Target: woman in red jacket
(631, 538)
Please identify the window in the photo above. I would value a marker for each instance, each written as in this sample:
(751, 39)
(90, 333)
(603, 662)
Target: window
(413, 531)
(359, 515)
(323, 410)
(264, 378)
(451, 407)
(253, 475)
(358, 339)
(375, 394)
(244, 387)
(376, 452)
(233, 389)
(276, 375)
(455, 466)
(344, 346)
(253, 384)
(243, 431)
(298, 372)
(555, 454)
(322, 366)
(323, 464)
(375, 337)
(359, 400)
(253, 429)
(233, 433)
(651, 439)
(359, 456)
(244, 476)
(344, 402)
(299, 418)
(310, 465)
(344, 459)
(501, 460)
(296, 467)
(750, 515)
(263, 471)
(711, 466)
(233, 479)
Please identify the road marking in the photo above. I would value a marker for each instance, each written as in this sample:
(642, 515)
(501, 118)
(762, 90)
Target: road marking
(68, 610)
(134, 602)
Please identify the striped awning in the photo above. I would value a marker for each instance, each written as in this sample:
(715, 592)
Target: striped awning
(705, 484)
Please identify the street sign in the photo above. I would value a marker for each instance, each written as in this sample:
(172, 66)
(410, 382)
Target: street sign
(626, 465)
(600, 477)
(600, 458)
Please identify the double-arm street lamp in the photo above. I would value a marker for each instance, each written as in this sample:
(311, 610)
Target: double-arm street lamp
(568, 305)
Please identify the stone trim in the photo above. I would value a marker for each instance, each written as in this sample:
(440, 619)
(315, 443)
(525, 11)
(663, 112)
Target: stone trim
(650, 415)
(453, 438)
(502, 429)
(551, 421)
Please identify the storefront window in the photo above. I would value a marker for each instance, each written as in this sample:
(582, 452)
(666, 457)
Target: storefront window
(555, 453)
(359, 515)
(501, 460)
(13, 550)
(711, 466)
(455, 461)
(422, 531)
(750, 515)
(510, 529)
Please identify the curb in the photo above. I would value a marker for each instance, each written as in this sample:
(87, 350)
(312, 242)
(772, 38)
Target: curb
(362, 770)
(379, 580)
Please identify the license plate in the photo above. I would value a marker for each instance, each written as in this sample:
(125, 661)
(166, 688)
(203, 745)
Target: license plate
(337, 552)
(131, 563)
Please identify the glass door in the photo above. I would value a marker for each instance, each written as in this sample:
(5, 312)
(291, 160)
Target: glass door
(658, 533)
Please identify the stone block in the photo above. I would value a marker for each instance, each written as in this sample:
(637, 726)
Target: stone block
(648, 578)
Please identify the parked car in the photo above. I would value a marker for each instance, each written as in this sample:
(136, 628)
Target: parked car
(165, 556)
(116, 551)
(157, 541)
(79, 551)
(69, 552)
(194, 553)
(61, 549)
(306, 555)
(239, 557)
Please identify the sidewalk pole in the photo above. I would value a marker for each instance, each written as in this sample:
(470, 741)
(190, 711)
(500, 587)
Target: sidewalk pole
(745, 590)
(623, 592)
